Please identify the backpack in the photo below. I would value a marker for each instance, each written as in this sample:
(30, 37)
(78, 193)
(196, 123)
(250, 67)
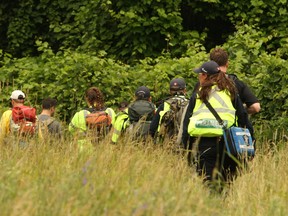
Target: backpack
(139, 129)
(23, 121)
(171, 120)
(43, 127)
(98, 122)
(140, 115)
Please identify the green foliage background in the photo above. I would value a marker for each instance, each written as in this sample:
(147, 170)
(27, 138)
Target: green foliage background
(60, 48)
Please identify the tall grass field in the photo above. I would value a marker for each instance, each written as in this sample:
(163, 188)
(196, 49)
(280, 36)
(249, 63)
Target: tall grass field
(55, 178)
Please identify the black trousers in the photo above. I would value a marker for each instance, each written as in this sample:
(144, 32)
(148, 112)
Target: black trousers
(213, 162)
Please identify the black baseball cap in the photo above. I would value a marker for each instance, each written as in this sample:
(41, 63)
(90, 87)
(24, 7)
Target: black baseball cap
(142, 92)
(177, 84)
(210, 67)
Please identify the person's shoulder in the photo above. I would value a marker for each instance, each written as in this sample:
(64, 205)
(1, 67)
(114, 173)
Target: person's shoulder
(42, 117)
(81, 113)
(233, 77)
(46, 119)
(141, 103)
(236, 80)
(110, 111)
(7, 113)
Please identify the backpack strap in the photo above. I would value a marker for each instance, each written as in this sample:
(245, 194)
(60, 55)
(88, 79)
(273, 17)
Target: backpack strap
(110, 112)
(48, 121)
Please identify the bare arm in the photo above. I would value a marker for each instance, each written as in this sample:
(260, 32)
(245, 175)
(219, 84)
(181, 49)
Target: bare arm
(254, 108)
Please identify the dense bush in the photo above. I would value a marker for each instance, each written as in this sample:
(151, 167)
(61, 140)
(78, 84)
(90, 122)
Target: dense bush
(60, 48)
(67, 75)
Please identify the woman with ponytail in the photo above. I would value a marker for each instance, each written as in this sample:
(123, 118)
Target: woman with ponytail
(79, 125)
(201, 127)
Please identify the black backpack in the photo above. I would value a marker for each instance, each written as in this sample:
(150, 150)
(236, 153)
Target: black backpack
(140, 115)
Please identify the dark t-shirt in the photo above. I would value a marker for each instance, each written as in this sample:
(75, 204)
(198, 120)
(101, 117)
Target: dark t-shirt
(246, 95)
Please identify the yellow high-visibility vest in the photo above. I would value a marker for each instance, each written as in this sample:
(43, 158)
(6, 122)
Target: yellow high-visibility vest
(121, 123)
(203, 123)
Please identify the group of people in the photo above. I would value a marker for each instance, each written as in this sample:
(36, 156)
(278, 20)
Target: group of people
(177, 118)
(9, 126)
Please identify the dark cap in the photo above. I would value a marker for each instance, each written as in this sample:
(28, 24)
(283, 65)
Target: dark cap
(142, 92)
(210, 67)
(177, 84)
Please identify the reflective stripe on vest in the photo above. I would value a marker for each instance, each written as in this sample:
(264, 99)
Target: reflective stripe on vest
(203, 122)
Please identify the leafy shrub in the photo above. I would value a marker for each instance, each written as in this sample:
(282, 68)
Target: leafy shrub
(66, 75)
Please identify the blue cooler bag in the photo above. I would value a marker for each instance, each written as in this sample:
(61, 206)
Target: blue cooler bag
(238, 141)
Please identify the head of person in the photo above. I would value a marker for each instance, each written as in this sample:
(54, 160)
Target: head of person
(220, 56)
(142, 93)
(94, 98)
(49, 104)
(17, 98)
(209, 75)
(177, 86)
(123, 105)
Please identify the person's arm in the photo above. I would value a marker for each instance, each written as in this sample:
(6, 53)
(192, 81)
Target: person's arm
(119, 125)
(112, 114)
(254, 108)
(78, 122)
(251, 102)
(155, 121)
(5, 124)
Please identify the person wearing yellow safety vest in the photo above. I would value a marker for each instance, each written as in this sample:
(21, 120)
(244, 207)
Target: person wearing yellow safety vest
(78, 125)
(121, 122)
(17, 98)
(201, 127)
(166, 124)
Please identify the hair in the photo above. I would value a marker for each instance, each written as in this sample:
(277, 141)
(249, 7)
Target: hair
(123, 105)
(95, 98)
(223, 83)
(141, 96)
(48, 103)
(220, 56)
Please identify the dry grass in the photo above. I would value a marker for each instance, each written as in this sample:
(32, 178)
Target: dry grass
(131, 179)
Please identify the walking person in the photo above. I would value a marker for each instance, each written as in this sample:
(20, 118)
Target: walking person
(167, 121)
(140, 113)
(251, 103)
(121, 122)
(201, 127)
(18, 123)
(47, 124)
(91, 124)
